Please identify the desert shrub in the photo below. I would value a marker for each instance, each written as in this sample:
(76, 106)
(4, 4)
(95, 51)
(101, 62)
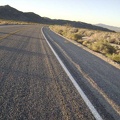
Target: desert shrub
(88, 33)
(95, 47)
(60, 32)
(108, 49)
(112, 40)
(74, 30)
(117, 41)
(103, 47)
(80, 41)
(86, 43)
(76, 36)
(116, 57)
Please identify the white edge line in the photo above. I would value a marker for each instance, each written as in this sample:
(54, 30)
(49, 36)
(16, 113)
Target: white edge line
(84, 97)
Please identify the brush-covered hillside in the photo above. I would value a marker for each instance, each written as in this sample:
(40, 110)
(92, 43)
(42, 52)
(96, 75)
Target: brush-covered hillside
(106, 43)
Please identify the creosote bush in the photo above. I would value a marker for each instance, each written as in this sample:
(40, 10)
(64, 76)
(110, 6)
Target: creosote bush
(76, 36)
(103, 47)
(114, 57)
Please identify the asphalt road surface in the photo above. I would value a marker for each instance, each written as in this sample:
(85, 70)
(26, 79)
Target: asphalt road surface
(99, 80)
(33, 85)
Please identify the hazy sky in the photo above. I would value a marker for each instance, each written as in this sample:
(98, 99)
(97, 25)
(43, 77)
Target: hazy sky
(90, 11)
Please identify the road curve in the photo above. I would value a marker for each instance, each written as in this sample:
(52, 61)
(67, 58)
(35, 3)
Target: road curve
(33, 85)
(99, 80)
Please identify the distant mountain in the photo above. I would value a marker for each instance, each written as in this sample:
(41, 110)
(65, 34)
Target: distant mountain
(117, 29)
(9, 13)
(79, 25)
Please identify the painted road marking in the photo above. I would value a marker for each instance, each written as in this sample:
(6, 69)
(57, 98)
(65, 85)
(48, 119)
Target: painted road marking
(85, 98)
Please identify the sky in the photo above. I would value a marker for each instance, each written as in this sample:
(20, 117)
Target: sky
(89, 11)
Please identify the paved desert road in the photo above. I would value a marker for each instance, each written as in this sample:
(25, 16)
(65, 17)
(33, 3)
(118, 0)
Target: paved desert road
(99, 80)
(33, 85)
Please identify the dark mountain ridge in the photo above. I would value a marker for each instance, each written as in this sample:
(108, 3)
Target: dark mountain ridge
(9, 13)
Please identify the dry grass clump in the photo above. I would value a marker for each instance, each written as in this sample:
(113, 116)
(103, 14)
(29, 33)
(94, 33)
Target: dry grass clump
(106, 43)
(115, 57)
(103, 47)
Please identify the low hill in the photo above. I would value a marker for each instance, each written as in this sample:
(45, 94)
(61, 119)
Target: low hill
(117, 29)
(79, 25)
(9, 13)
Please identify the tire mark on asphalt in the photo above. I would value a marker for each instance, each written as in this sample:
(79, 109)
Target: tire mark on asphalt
(36, 86)
(9, 102)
